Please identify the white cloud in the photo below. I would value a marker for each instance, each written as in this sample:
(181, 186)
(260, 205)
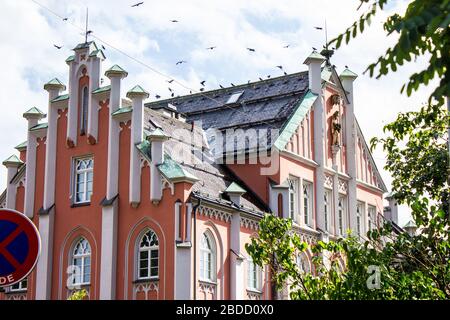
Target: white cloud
(146, 33)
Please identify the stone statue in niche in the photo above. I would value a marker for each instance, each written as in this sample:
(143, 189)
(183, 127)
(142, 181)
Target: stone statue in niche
(335, 129)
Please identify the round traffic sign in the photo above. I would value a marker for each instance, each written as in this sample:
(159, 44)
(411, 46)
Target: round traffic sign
(20, 246)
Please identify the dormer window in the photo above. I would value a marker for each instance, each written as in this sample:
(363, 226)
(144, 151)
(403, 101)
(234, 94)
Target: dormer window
(235, 97)
(84, 111)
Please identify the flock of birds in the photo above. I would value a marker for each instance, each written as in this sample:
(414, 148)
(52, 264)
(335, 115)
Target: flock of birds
(181, 62)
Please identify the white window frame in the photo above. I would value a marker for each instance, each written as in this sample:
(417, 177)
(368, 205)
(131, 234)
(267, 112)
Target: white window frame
(208, 255)
(341, 214)
(85, 173)
(360, 212)
(328, 208)
(309, 201)
(151, 248)
(371, 215)
(253, 276)
(84, 256)
(294, 187)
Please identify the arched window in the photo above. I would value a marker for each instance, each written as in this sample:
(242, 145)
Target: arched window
(303, 263)
(148, 256)
(207, 258)
(81, 260)
(84, 111)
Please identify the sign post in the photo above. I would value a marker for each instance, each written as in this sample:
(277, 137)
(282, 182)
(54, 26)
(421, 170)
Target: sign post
(20, 246)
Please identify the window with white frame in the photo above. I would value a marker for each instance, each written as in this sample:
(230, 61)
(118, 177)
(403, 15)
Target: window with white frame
(148, 256)
(341, 215)
(84, 111)
(293, 197)
(253, 276)
(307, 202)
(359, 218)
(81, 261)
(207, 258)
(371, 214)
(19, 286)
(84, 179)
(327, 208)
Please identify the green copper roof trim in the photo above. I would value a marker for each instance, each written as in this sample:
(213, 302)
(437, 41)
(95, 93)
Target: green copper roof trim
(137, 90)
(70, 59)
(235, 188)
(115, 69)
(98, 54)
(315, 56)
(173, 172)
(122, 111)
(39, 127)
(34, 111)
(158, 133)
(102, 89)
(85, 45)
(145, 149)
(292, 124)
(347, 73)
(21, 146)
(13, 160)
(410, 224)
(55, 81)
(61, 98)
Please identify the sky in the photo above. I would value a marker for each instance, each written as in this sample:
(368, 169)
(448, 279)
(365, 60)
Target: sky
(143, 39)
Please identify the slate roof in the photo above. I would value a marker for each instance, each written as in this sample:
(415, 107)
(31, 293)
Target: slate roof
(263, 104)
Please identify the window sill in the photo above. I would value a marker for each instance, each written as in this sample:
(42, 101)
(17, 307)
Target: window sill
(208, 282)
(156, 279)
(254, 291)
(81, 204)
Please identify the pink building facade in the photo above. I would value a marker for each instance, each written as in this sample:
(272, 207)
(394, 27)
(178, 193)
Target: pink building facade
(157, 200)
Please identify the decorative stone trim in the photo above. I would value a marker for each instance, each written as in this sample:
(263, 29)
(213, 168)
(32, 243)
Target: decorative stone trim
(307, 235)
(342, 186)
(16, 296)
(249, 223)
(253, 295)
(146, 288)
(328, 181)
(208, 288)
(215, 214)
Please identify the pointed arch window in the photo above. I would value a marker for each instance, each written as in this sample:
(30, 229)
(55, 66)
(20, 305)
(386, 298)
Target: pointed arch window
(303, 263)
(207, 258)
(84, 110)
(81, 260)
(148, 256)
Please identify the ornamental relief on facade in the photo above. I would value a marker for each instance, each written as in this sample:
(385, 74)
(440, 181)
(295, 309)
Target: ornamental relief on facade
(215, 214)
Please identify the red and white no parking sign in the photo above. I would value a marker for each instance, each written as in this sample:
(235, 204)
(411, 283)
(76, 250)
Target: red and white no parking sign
(20, 246)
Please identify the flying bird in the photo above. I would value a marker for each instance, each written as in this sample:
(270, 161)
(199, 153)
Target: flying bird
(157, 96)
(57, 47)
(319, 28)
(137, 4)
(170, 81)
(287, 46)
(174, 21)
(65, 19)
(211, 48)
(181, 62)
(203, 83)
(251, 49)
(170, 89)
(346, 67)
(280, 67)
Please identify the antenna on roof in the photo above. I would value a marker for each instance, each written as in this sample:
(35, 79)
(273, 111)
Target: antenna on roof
(87, 25)
(326, 52)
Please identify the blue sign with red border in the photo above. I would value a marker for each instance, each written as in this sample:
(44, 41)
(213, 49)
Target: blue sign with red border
(20, 246)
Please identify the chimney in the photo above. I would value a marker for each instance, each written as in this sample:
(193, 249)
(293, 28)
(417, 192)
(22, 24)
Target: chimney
(157, 138)
(33, 116)
(115, 74)
(314, 63)
(137, 95)
(235, 193)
